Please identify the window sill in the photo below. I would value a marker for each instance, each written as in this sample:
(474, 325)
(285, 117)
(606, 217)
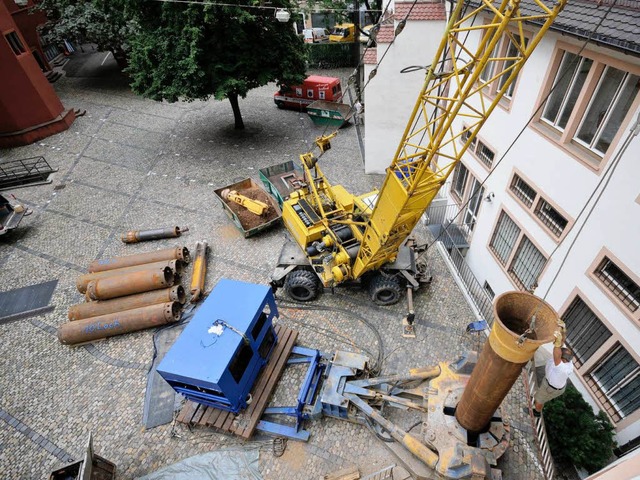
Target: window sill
(578, 152)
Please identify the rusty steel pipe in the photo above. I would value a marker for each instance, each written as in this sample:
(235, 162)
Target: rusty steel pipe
(105, 307)
(176, 253)
(135, 236)
(130, 283)
(199, 271)
(504, 355)
(94, 328)
(176, 266)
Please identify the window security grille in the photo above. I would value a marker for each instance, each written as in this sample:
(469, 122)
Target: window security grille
(460, 180)
(15, 43)
(619, 283)
(527, 265)
(616, 380)
(550, 217)
(504, 238)
(585, 332)
(485, 154)
(522, 190)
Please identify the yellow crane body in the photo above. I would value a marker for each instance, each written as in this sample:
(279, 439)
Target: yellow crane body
(346, 237)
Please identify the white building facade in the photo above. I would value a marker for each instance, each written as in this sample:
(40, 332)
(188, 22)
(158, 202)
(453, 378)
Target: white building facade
(550, 195)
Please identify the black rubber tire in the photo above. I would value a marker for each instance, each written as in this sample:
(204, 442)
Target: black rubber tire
(279, 103)
(385, 290)
(302, 285)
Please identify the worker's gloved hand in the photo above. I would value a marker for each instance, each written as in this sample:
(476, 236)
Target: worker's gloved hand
(558, 339)
(561, 325)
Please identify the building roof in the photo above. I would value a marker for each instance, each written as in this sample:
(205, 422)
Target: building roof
(370, 56)
(616, 22)
(420, 10)
(386, 34)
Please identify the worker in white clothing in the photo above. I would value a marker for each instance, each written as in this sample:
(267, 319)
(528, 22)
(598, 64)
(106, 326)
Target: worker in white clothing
(556, 372)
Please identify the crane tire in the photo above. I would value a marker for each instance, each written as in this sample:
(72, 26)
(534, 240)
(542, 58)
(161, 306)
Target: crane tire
(385, 290)
(302, 285)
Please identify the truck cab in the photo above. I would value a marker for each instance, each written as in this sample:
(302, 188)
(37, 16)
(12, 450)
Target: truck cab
(314, 87)
(344, 32)
(315, 35)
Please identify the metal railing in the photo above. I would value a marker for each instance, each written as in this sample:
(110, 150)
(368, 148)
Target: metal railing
(544, 453)
(26, 171)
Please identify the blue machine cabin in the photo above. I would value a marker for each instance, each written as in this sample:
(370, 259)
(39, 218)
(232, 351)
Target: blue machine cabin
(219, 355)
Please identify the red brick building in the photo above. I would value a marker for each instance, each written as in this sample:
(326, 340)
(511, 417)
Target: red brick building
(30, 110)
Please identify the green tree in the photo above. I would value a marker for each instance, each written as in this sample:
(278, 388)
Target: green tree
(105, 23)
(576, 435)
(196, 51)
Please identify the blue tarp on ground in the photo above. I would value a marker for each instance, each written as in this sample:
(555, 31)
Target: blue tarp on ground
(231, 464)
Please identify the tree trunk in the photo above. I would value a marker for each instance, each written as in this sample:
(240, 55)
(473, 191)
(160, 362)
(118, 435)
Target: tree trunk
(233, 99)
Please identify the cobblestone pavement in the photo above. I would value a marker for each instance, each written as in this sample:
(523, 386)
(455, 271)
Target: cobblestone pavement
(132, 163)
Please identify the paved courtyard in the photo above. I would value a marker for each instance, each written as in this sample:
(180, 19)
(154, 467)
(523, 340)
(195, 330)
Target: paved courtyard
(132, 163)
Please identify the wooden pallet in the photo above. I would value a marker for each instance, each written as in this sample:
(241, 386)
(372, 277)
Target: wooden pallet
(244, 423)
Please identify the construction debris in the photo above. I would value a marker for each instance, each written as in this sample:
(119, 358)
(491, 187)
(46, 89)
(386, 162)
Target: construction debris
(135, 236)
(254, 206)
(199, 271)
(176, 253)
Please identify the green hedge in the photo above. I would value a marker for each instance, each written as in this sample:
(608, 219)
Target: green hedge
(332, 55)
(576, 435)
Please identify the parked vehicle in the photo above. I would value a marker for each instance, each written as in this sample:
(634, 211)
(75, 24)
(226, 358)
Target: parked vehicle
(366, 34)
(344, 32)
(313, 88)
(315, 35)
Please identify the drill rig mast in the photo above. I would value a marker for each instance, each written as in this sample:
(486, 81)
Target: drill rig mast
(346, 237)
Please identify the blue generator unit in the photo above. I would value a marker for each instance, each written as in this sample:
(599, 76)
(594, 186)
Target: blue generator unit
(218, 357)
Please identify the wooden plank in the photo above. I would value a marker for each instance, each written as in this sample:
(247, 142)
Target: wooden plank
(198, 415)
(213, 416)
(349, 473)
(221, 419)
(194, 413)
(187, 412)
(271, 377)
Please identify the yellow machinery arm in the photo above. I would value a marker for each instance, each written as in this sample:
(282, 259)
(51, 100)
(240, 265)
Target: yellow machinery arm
(453, 88)
(344, 237)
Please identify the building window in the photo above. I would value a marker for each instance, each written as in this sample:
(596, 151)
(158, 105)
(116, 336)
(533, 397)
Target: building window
(548, 215)
(619, 283)
(459, 180)
(478, 148)
(504, 238)
(589, 113)
(321, 94)
(522, 190)
(298, 91)
(473, 204)
(489, 290)
(501, 63)
(585, 332)
(15, 43)
(310, 93)
(526, 262)
(616, 381)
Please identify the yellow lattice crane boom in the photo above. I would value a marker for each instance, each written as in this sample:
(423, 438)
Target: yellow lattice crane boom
(344, 237)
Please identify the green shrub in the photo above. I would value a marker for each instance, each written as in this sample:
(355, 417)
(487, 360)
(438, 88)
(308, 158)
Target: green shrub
(576, 435)
(332, 55)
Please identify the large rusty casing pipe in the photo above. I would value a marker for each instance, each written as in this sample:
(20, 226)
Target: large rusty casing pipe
(503, 355)
(89, 329)
(130, 283)
(176, 266)
(135, 236)
(111, 263)
(105, 307)
(199, 271)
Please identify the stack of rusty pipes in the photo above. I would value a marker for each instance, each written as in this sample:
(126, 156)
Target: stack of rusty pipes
(126, 294)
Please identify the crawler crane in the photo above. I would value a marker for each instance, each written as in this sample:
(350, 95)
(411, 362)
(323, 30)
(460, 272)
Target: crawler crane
(365, 239)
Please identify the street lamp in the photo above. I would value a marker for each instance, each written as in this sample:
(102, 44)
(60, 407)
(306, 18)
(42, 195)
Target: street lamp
(282, 15)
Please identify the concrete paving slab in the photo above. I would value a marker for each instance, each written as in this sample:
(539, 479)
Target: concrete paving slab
(148, 164)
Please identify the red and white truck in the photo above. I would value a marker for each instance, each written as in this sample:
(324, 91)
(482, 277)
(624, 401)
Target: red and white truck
(314, 87)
